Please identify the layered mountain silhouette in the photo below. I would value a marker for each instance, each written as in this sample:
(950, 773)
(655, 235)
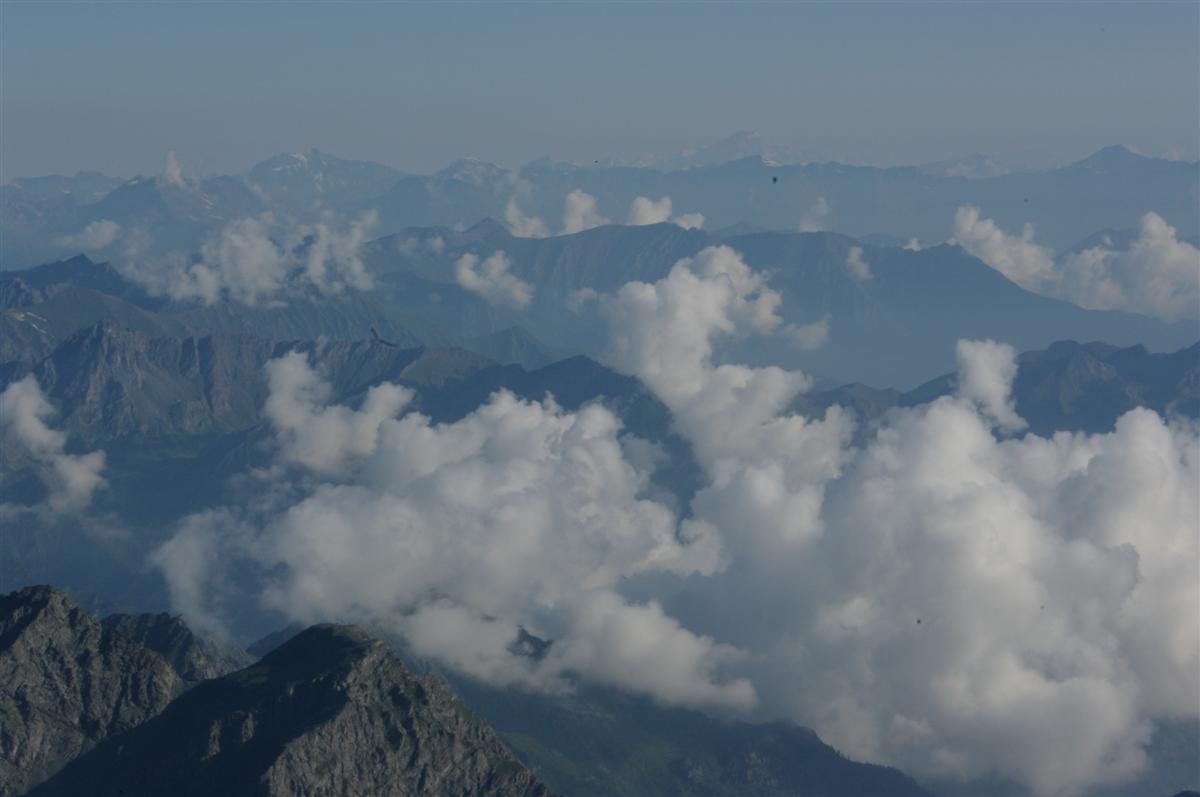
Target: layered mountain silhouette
(896, 328)
(737, 180)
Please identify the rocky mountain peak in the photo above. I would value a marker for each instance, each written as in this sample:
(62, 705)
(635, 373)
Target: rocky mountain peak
(66, 683)
(331, 711)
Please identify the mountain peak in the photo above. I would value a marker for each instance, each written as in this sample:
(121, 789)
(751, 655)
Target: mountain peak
(332, 693)
(486, 228)
(67, 683)
(1114, 156)
(194, 657)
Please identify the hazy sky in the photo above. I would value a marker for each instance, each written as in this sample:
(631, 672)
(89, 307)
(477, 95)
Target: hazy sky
(114, 86)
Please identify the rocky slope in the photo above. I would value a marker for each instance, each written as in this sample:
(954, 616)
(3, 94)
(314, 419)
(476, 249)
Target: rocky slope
(194, 658)
(66, 683)
(332, 711)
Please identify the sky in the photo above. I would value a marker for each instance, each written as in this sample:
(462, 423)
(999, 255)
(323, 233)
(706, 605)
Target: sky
(114, 86)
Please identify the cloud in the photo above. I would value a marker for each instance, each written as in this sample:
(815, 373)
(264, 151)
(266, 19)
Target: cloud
(521, 225)
(913, 245)
(644, 211)
(241, 261)
(808, 336)
(1017, 257)
(71, 480)
(985, 373)
(816, 217)
(94, 237)
(858, 269)
(579, 297)
(492, 280)
(324, 438)
(665, 334)
(939, 600)
(458, 536)
(192, 563)
(982, 613)
(580, 213)
(647, 211)
(172, 171)
(1157, 275)
(245, 262)
(332, 261)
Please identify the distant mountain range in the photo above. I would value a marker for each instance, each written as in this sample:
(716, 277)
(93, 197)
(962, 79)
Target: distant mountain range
(896, 328)
(739, 180)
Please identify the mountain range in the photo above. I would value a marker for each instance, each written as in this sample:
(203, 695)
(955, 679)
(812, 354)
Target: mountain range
(735, 181)
(896, 328)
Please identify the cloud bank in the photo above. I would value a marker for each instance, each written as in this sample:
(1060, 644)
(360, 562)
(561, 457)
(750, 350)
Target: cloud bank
(253, 261)
(459, 536)
(952, 597)
(943, 600)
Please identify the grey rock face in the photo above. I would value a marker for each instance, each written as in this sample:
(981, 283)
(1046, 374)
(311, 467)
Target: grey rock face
(332, 711)
(193, 657)
(66, 683)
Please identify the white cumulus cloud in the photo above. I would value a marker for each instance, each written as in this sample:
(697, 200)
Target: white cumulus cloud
(941, 600)
(580, 213)
(858, 268)
(252, 260)
(492, 279)
(521, 225)
(946, 597)
(985, 373)
(1157, 275)
(94, 237)
(644, 211)
(70, 479)
(458, 536)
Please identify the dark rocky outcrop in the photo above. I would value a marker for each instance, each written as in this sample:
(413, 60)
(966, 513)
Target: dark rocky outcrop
(332, 711)
(66, 683)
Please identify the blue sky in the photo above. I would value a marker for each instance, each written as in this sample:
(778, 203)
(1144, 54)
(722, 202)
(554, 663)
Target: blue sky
(114, 86)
